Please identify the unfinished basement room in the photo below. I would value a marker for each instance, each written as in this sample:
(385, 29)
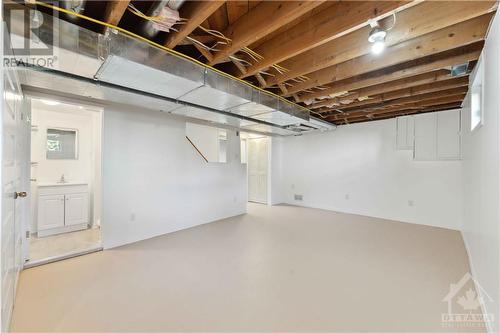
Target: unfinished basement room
(266, 166)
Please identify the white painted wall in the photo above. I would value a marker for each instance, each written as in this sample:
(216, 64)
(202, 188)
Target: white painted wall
(481, 179)
(357, 169)
(86, 168)
(206, 139)
(154, 182)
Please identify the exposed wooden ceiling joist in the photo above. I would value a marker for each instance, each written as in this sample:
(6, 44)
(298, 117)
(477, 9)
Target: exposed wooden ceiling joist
(114, 11)
(195, 12)
(422, 102)
(238, 8)
(393, 114)
(456, 56)
(438, 86)
(426, 78)
(260, 21)
(337, 20)
(407, 100)
(416, 21)
(445, 39)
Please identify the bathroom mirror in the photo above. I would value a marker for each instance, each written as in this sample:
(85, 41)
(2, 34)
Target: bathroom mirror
(62, 144)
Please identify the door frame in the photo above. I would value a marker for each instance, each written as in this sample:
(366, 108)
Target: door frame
(29, 95)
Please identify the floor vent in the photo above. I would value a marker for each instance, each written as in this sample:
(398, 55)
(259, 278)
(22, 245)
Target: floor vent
(298, 197)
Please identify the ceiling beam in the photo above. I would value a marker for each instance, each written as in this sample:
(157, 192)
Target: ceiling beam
(462, 81)
(441, 60)
(114, 11)
(416, 21)
(337, 20)
(445, 39)
(410, 99)
(393, 114)
(450, 96)
(447, 103)
(260, 21)
(196, 12)
(426, 78)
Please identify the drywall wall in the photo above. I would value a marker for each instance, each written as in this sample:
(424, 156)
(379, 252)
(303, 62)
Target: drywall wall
(205, 139)
(86, 168)
(481, 179)
(154, 181)
(357, 169)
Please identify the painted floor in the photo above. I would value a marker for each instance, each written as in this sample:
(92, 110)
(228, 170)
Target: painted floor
(275, 269)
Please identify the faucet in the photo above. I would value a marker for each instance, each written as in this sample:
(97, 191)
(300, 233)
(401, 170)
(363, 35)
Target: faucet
(62, 180)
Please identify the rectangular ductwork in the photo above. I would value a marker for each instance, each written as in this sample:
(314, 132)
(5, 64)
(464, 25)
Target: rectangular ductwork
(118, 67)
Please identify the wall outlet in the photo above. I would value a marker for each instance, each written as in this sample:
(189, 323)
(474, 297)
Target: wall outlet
(293, 186)
(235, 199)
(410, 203)
(132, 217)
(298, 197)
(347, 196)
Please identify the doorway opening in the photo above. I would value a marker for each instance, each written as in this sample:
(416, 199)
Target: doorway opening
(65, 177)
(256, 149)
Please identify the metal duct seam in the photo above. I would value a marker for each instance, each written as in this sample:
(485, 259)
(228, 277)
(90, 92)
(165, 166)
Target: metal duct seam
(174, 103)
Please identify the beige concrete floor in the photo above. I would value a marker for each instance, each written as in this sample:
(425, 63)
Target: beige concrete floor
(63, 244)
(275, 269)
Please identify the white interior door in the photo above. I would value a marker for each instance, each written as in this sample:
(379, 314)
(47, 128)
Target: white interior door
(257, 169)
(14, 180)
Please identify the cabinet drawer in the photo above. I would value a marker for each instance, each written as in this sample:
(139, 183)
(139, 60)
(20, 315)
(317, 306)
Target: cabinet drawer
(63, 189)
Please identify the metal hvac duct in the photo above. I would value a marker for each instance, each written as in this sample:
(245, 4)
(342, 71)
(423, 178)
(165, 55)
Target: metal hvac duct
(182, 87)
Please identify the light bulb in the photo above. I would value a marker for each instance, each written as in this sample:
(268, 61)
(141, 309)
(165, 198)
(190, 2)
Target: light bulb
(378, 47)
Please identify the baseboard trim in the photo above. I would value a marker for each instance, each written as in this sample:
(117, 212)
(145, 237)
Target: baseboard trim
(31, 264)
(484, 310)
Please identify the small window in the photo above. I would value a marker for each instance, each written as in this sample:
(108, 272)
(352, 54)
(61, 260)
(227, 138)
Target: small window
(61, 144)
(476, 103)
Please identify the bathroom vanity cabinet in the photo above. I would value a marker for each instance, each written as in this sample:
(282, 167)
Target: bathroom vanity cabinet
(62, 208)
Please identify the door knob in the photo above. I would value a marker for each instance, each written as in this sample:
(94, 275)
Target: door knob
(20, 195)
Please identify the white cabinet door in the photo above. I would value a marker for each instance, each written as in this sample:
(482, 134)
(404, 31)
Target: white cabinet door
(77, 208)
(50, 211)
